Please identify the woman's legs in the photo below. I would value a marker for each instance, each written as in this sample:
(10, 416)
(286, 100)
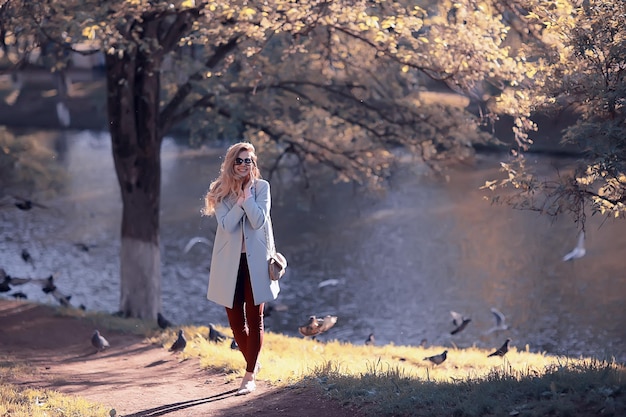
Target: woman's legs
(246, 320)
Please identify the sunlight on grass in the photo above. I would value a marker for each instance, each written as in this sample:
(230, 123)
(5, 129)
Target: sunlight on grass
(9, 368)
(43, 403)
(375, 380)
(285, 359)
(17, 402)
(396, 380)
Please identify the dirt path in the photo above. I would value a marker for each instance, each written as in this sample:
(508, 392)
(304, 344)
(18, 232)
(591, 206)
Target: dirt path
(134, 377)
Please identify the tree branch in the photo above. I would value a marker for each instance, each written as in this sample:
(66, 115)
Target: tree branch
(167, 117)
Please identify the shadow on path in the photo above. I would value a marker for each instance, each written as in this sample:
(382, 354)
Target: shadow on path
(170, 408)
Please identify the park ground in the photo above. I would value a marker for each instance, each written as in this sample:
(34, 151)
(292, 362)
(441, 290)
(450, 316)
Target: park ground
(134, 377)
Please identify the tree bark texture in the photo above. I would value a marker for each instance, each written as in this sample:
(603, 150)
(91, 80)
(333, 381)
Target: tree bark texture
(133, 85)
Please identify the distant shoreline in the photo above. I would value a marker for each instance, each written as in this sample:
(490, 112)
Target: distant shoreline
(34, 108)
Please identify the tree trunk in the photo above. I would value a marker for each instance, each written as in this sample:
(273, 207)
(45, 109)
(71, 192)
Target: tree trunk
(133, 85)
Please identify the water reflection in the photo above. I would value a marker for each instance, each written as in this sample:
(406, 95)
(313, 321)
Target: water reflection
(401, 262)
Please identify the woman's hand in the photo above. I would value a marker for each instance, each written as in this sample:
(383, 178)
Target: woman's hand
(247, 189)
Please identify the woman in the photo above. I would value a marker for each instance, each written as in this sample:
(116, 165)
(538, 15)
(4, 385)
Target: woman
(239, 278)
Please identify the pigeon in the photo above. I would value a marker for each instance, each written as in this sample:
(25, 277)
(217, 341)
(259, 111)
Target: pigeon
(500, 321)
(26, 256)
(26, 204)
(82, 246)
(64, 300)
(4, 284)
(180, 343)
(327, 323)
(163, 322)
(459, 321)
(317, 326)
(311, 328)
(332, 282)
(98, 341)
(579, 251)
(438, 359)
(502, 350)
(194, 240)
(215, 335)
(370, 341)
(49, 285)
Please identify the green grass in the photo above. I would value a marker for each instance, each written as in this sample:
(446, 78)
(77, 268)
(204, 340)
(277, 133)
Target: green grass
(385, 380)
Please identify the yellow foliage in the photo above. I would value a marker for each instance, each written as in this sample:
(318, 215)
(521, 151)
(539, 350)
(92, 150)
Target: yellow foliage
(90, 32)
(247, 13)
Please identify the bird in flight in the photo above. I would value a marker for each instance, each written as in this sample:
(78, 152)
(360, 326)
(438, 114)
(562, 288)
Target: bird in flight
(332, 282)
(317, 326)
(500, 321)
(459, 321)
(502, 350)
(438, 359)
(98, 341)
(579, 251)
(194, 240)
(180, 343)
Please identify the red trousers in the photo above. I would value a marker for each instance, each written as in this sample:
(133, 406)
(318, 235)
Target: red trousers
(245, 318)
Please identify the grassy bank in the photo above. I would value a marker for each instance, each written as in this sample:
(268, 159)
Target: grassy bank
(379, 380)
(396, 380)
(27, 402)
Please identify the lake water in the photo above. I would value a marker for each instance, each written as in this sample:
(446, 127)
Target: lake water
(400, 261)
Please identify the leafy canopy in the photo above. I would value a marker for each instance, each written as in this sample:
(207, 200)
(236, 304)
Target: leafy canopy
(346, 83)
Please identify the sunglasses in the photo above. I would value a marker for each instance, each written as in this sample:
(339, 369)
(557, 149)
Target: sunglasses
(239, 161)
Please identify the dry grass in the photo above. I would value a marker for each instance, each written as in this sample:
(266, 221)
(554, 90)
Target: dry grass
(395, 380)
(42, 403)
(286, 359)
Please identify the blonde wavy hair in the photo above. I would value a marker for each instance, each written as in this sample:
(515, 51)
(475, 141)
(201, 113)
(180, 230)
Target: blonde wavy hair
(227, 183)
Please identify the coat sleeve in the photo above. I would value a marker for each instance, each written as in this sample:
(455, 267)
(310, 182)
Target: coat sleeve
(257, 209)
(228, 217)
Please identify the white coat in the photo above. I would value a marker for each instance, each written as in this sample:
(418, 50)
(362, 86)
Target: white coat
(253, 217)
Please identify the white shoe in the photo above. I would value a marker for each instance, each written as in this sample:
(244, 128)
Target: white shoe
(247, 389)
